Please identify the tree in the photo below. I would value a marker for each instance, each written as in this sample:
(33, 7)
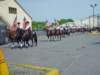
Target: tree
(37, 25)
(62, 21)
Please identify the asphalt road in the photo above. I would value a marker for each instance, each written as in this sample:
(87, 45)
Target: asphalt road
(78, 54)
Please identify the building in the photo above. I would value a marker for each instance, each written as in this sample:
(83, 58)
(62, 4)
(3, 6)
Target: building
(90, 22)
(9, 9)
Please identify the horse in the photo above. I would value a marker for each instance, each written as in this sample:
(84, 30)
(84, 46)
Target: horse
(58, 34)
(28, 36)
(12, 36)
(20, 32)
(50, 32)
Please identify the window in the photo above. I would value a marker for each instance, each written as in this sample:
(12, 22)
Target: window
(12, 10)
(2, 0)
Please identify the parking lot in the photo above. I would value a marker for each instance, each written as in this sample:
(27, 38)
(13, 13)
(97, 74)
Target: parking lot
(78, 54)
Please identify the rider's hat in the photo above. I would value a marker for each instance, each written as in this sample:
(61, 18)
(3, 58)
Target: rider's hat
(18, 23)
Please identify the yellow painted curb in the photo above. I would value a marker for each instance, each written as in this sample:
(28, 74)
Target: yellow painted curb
(53, 72)
(3, 64)
(95, 33)
(5, 71)
(50, 71)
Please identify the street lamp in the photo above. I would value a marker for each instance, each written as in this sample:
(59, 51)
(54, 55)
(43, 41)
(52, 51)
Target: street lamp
(93, 6)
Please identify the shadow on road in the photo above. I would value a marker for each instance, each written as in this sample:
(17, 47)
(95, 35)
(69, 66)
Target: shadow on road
(96, 43)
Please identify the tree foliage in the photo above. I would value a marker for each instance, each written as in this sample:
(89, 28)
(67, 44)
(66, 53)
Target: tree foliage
(62, 21)
(39, 25)
(36, 25)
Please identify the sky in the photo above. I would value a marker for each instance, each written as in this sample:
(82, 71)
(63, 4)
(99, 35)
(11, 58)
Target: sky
(42, 10)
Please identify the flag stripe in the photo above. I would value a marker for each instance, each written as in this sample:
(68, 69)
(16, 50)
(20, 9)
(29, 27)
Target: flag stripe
(14, 25)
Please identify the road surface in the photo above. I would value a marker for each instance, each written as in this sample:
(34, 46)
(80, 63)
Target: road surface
(78, 54)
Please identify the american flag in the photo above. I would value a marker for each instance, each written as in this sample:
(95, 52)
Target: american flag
(24, 23)
(14, 25)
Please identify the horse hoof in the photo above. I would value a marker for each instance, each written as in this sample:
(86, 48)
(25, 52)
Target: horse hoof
(20, 47)
(26, 46)
(12, 47)
(36, 45)
(31, 45)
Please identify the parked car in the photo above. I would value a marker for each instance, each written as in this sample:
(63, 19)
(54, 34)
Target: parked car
(3, 36)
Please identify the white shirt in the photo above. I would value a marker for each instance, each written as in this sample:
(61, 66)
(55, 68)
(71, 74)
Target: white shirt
(27, 27)
(61, 28)
(58, 28)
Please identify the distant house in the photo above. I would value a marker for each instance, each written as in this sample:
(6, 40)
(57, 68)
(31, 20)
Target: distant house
(88, 21)
(9, 9)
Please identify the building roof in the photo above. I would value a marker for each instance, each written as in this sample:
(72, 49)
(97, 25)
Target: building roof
(23, 9)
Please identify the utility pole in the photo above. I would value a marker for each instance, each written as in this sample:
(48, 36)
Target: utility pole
(93, 7)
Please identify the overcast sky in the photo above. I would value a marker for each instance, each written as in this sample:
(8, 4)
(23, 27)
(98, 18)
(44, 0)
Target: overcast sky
(42, 10)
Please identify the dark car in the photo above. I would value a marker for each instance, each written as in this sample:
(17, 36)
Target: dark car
(3, 36)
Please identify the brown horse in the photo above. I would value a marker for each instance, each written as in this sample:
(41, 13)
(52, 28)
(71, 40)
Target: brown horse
(28, 37)
(11, 36)
(54, 34)
(15, 36)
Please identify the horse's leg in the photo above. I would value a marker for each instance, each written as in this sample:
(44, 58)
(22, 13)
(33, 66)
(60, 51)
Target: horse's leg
(50, 37)
(32, 42)
(27, 43)
(64, 33)
(47, 35)
(57, 36)
(35, 39)
(18, 43)
(24, 43)
(53, 37)
(60, 35)
(13, 45)
(21, 43)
